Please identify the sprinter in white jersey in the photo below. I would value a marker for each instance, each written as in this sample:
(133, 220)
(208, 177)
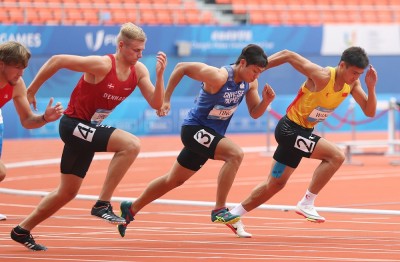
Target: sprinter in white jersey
(203, 130)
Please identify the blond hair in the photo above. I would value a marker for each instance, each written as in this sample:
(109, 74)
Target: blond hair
(14, 53)
(130, 31)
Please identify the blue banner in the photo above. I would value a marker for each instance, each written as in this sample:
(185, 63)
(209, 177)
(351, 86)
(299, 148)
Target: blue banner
(201, 40)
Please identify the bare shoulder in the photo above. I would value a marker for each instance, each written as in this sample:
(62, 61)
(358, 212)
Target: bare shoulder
(215, 74)
(141, 70)
(105, 60)
(326, 72)
(96, 61)
(320, 73)
(19, 88)
(140, 66)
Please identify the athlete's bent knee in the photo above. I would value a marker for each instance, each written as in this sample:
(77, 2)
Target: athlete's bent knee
(276, 184)
(2, 171)
(338, 157)
(235, 155)
(67, 194)
(132, 147)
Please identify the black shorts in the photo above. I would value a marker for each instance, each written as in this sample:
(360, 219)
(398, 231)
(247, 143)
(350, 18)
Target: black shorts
(81, 140)
(294, 142)
(200, 143)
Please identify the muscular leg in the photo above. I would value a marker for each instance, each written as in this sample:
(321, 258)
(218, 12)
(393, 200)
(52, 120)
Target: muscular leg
(267, 189)
(332, 158)
(232, 154)
(126, 147)
(2, 176)
(67, 190)
(2, 171)
(161, 185)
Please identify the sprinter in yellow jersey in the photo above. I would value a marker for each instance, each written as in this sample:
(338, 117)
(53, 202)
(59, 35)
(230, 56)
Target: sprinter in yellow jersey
(324, 89)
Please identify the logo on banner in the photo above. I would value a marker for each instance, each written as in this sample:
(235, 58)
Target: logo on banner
(96, 41)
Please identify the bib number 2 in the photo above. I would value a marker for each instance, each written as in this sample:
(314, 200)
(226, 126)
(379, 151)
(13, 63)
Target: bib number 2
(304, 144)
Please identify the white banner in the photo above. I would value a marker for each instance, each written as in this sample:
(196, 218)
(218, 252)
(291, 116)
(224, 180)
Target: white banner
(375, 39)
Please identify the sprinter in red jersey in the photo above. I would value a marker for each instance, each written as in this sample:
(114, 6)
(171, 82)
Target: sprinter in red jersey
(14, 59)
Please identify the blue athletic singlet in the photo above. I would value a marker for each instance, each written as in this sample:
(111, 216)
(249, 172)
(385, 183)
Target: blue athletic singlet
(215, 110)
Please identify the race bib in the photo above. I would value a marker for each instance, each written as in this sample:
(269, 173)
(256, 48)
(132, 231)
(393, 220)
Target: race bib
(222, 112)
(319, 114)
(84, 132)
(99, 116)
(304, 144)
(204, 138)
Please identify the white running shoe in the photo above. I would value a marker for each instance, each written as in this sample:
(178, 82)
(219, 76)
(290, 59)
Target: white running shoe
(309, 212)
(238, 229)
(2, 217)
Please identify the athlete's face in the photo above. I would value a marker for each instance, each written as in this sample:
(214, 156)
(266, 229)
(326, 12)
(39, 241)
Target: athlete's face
(251, 72)
(133, 50)
(11, 73)
(352, 73)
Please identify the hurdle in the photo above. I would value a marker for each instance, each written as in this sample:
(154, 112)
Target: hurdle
(391, 143)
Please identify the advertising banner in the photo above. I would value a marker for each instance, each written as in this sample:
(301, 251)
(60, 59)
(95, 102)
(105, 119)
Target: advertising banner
(375, 39)
(177, 40)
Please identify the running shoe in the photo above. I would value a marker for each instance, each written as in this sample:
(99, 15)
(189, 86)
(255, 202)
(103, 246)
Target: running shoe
(309, 212)
(127, 215)
(238, 229)
(27, 240)
(223, 216)
(106, 212)
(2, 217)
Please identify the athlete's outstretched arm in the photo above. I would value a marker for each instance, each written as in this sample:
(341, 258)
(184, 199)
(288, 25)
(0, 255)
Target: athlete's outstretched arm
(212, 77)
(93, 66)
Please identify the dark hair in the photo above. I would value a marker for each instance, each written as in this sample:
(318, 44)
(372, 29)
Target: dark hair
(254, 55)
(355, 56)
(14, 53)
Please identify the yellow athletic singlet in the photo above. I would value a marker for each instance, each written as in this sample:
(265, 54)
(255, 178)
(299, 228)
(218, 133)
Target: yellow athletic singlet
(310, 108)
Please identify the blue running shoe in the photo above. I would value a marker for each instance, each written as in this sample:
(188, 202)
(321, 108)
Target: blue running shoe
(223, 216)
(127, 215)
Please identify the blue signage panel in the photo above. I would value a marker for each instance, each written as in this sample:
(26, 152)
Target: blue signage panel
(201, 40)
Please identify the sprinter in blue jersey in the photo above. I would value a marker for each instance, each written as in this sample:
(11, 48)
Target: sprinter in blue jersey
(203, 130)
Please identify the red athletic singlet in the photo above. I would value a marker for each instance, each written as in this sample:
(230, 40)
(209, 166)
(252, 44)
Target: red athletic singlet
(94, 102)
(6, 94)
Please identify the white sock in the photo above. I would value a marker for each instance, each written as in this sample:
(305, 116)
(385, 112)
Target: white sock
(238, 210)
(308, 199)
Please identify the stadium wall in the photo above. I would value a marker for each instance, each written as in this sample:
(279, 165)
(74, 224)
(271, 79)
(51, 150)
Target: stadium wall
(214, 45)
